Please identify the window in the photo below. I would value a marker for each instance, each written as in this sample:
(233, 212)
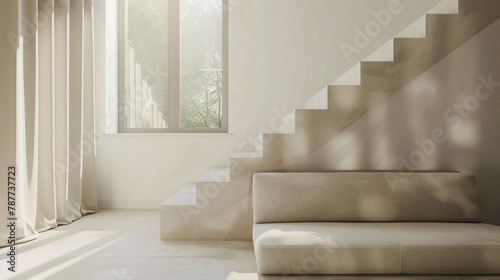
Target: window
(173, 66)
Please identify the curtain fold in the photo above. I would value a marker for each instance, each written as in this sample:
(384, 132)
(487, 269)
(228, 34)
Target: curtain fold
(55, 146)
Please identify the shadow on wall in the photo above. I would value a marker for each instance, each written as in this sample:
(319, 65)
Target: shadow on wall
(448, 118)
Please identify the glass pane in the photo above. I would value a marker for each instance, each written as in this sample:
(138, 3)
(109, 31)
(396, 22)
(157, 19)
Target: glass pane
(201, 63)
(148, 63)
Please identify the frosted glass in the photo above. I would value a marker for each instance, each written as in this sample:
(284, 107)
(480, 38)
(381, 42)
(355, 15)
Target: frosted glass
(201, 63)
(147, 100)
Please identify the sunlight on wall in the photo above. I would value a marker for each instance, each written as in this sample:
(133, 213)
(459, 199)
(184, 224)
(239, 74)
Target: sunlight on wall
(468, 137)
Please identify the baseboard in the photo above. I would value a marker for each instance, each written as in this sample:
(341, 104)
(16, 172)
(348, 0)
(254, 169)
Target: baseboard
(142, 204)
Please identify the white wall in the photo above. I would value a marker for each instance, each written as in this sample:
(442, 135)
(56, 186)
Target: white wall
(281, 52)
(386, 138)
(285, 51)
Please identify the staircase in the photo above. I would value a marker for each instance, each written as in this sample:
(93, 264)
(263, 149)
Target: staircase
(219, 205)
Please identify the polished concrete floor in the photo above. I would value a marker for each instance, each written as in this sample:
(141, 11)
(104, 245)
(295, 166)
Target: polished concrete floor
(126, 245)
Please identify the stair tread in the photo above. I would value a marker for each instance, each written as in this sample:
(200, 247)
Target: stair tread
(246, 155)
(215, 175)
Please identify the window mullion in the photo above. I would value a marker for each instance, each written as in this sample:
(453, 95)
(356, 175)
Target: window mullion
(225, 65)
(174, 64)
(123, 85)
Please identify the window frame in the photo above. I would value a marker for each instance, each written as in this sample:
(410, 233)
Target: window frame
(174, 77)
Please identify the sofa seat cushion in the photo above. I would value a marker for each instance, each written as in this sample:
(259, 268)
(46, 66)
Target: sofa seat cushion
(447, 248)
(325, 248)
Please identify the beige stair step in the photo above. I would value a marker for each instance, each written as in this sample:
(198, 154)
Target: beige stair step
(246, 155)
(414, 30)
(383, 53)
(445, 7)
(319, 101)
(186, 195)
(215, 175)
(351, 77)
(214, 215)
(287, 125)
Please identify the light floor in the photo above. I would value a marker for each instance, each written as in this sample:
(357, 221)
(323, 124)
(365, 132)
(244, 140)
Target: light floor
(126, 245)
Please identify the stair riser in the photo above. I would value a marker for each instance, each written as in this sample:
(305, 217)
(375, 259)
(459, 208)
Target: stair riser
(206, 193)
(209, 218)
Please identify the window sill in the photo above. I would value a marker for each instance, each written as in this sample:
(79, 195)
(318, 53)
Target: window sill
(170, 134)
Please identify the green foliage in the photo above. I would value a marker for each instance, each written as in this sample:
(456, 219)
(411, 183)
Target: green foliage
(201, 62)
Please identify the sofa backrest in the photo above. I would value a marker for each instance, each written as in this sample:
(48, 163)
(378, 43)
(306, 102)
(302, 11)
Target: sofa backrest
(365, 196)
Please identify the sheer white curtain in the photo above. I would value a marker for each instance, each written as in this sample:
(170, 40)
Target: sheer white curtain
(54, 114)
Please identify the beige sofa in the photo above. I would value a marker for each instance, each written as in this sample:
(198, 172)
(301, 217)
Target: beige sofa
(372, 223)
